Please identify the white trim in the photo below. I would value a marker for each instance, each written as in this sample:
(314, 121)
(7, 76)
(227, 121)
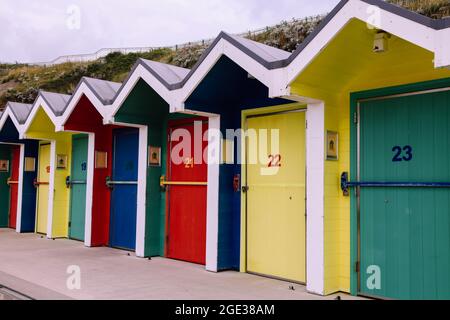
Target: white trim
(442, 58)
(212, 204)
(8, 113)
(20, 191)
(139, 73)
(89, 190)
(274, 79)
(404, 28)
(51, 189)
(141, 192)
(83, 89)
(39, 103)
(315, 173)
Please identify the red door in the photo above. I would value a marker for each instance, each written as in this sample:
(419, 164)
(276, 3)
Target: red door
(14, 185)
(186, 238)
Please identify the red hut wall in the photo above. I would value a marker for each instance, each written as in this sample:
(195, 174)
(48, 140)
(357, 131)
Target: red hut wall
(86, 118)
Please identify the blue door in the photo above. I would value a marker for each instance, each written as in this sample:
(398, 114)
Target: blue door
(124, 188)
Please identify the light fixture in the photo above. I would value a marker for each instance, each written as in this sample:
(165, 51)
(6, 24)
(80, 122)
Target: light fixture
(380, 42)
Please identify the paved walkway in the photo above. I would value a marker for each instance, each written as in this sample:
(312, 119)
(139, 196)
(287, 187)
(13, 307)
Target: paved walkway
(37, 267)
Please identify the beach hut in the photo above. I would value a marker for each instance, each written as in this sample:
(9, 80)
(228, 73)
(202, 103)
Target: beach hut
(84, 114)
(17, 170)
(54, 212)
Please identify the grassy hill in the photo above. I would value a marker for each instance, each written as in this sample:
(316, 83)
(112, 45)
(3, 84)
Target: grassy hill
(21, 83)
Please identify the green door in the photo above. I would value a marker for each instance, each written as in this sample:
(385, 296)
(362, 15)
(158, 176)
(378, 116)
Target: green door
(405, 230)
(5, 154)
(78, 187)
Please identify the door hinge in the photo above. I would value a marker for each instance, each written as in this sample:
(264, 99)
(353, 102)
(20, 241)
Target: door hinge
(357, 267)
(355, 118)
(306, 124)
(70, 224)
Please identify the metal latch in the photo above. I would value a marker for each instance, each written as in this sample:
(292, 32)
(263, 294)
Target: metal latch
(110, 183)
(9, 182)
(163, 183)
(69, 182)
(345, 184)
(38, 183)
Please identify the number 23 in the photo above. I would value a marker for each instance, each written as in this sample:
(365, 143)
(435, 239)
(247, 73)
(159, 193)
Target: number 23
(400, 156)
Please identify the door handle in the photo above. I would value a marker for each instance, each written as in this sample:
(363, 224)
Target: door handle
(38, 183)
(346, 184)
(70, 183)
(163, 182)
(110, 183)
(9, 182)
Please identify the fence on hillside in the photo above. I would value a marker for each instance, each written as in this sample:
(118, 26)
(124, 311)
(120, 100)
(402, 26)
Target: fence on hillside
(105, 51)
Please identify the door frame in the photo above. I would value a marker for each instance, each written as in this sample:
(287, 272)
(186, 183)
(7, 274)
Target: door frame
(88, 195)
(20, 186)
(262, 112)
(141, 185)
(171, 124)
(89, 185)
(355, 100)
(51, 184)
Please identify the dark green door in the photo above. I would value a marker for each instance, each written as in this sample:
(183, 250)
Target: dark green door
(5, 155)
(405, 231)
(78, 186)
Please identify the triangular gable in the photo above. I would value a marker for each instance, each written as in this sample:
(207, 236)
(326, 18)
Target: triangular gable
(100, 93)
(410, 26)
(53, 105)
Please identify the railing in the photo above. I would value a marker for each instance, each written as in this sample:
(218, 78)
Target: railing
(79, 58)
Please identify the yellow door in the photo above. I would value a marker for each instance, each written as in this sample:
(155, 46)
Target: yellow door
(42, 185)
(276, 241)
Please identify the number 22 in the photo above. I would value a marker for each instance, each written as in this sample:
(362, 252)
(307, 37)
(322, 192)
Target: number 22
(275, 161)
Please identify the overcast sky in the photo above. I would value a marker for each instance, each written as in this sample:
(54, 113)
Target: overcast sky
(33, 31)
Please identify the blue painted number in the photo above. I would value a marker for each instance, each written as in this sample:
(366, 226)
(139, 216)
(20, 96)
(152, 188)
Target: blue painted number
(402, 154)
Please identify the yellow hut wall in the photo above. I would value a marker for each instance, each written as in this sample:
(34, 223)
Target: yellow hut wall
(42, 128)
(337, 72)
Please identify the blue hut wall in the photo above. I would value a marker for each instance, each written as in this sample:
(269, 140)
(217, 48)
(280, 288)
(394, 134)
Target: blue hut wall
(9, 134)
(227, 90)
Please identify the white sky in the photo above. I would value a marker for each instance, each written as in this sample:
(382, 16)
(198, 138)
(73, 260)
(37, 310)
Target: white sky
(38, 30)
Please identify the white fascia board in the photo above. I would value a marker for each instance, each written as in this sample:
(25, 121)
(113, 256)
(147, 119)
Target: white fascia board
(139, 73)
(40, 103)
(275, 79)
(10, 114)
(83, 89)
(442, 55)
(404, 28)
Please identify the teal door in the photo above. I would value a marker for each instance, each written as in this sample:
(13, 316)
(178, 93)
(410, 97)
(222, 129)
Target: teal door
(404, 228)
(78, 187)
(5, 154)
